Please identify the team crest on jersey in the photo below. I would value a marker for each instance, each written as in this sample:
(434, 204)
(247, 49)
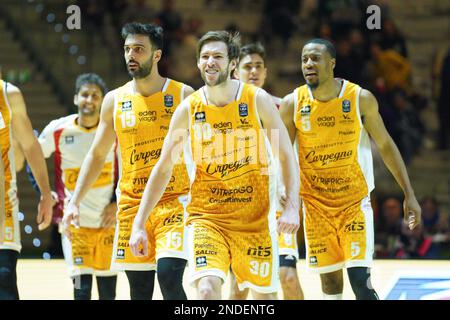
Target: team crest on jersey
(126, 106)
(346, 106)
(200, 117)
(201, 262)
(305, 110)
(243, 109)
(69, 139)
(78, 261)
(168, 101)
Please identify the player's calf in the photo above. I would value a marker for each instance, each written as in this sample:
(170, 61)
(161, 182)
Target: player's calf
(141, 284)
(359, 278)
(8, 276)
(332, 283)
(82, 287)
(106, 287)
(170, 278)
(290, 284)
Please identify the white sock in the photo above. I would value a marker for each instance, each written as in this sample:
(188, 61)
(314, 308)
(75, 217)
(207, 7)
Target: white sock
(332, 296)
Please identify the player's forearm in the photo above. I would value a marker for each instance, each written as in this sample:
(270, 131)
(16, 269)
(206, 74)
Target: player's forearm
(394, 162)
(35, 158)
(291, 174)
(156, 185)
(90, 170)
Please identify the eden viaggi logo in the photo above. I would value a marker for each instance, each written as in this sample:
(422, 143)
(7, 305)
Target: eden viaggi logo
(126, 106)
(168, 101)
(243, 109)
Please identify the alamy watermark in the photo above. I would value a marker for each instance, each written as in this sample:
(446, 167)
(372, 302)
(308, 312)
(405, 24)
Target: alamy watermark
(374, 20)
(73, 21)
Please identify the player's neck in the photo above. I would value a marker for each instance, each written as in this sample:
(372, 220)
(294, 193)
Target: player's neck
(328, 90)
(149, 85)
(87, 122)
(222, 94)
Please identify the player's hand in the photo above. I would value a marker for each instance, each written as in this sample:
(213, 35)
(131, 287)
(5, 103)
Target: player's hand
(139, 241)
(71, 216)
(412, 212)
(45, 211)
(109, 215)
(289, 221)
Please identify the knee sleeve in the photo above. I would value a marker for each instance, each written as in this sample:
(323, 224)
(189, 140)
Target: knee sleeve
(82, 287)
(359, 278)
(8, 277)
(170, 277)
(288, 261)
(141, 284)
(106, 287)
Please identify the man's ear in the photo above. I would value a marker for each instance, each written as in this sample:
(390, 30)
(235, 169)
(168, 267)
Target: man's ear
(157, 56)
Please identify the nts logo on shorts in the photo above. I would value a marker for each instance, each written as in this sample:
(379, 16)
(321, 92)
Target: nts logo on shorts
(120, 254)
(313, 260)
(201, 262)
(78, 260)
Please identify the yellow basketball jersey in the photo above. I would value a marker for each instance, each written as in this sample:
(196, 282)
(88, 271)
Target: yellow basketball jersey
(333, 148)
(233, 186)
(141, 124)
(11, 201)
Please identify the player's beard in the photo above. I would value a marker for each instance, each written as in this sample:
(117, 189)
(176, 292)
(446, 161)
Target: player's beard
(220, 79)
(313, 85)
(143, 71)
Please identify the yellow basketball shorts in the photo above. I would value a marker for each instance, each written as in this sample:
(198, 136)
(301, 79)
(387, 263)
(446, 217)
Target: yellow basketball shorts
(11, 230)
(165, 233)
(253, 256)
(287, 243)
(89, 252)
(336, 239)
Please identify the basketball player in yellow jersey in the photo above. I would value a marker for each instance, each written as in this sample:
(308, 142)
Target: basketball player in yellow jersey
(252, 69)
(14, 121)
(2, 198)
(233, 189)
(332, 121)
(138, 115)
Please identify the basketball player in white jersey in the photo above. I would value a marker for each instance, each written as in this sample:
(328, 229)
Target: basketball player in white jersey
(88, 249)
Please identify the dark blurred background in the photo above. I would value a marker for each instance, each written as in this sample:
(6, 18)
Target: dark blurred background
(405, 63)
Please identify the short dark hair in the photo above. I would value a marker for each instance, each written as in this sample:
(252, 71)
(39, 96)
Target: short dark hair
(154, 32)
(330, 47)
(90, 78)
(253, 48)
(232, 40)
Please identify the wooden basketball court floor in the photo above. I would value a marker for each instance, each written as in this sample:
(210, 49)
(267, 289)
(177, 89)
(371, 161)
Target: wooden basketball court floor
(48, 279)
